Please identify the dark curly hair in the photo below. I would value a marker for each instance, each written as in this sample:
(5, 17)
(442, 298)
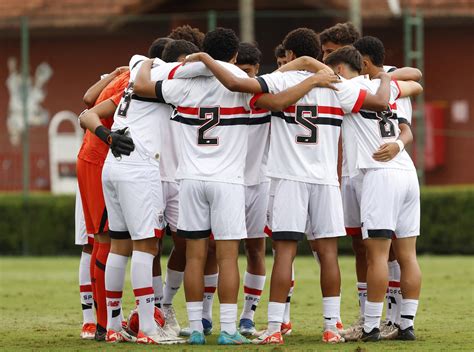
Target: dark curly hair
(176, 48)
(340, 34)
(186, 32)
(373, 48)
(221, 44)
(249, 54)
(279, 51)
(156, 48)
(303, 42)
(345, 55)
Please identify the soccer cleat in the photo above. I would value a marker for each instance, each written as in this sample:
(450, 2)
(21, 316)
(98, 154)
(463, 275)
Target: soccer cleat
(388, 330)
(159, 338)
(269, 339)
(185, 331)
(354, 332)
(119, 336)
(100, 333)
(171, 322)
(197, 338)
(133, 324)
(339, 326)
(207, 326)
(330, 336)
(247, 327)
(406, 335)
(286, 328)
(88, 331)
(235, 339)
(371, 336)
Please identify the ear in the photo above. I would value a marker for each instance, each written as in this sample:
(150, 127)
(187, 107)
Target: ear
(257, 68)
(234, 58)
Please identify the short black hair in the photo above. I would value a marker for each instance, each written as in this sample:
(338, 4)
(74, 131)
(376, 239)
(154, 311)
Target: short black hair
(340, 34)
(303, 42)
(221, 44)
(156, 48)
(173, 50)
(345, 55)
(373, 48)
(248, 54)
(279, 51)
(186, 32)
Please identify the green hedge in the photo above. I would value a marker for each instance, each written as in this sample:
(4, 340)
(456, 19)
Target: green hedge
(44, 224)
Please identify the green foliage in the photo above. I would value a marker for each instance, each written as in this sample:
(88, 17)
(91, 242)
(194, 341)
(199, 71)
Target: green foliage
(44, 224)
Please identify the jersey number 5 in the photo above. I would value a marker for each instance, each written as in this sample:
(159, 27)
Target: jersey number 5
(211, 116)
(303, 115)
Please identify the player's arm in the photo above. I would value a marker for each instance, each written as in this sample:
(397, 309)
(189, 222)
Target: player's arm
(409, 88)
(306, 63)
(143, 85)
(406, 74)
(227, 78)
(94, 91)
(388, 151)
(288, 97)
(379, 100)
(90, 119)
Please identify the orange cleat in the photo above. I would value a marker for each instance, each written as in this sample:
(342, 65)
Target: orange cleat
(330, 336)
(269, 339)
(88, 331)
(286, 328)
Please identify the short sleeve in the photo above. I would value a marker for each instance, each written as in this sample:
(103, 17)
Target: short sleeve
(135, 60)
(404, 111)
(272, 82)
(172, 91)
(394, 90)
(190, 70)
(351, 96)
(116, 98)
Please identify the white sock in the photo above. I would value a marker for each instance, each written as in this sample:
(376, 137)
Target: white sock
(253, 287)
(286, 315)
(228, 318)
(408, 313)
(114, 281)
(195, 315)
(210, 285)
(331, 312)
(158, 290)
(394, 301)
(275, 316)
(85, 288)
(174, 279)
(142, 284)
(362, 290)
(373, 313)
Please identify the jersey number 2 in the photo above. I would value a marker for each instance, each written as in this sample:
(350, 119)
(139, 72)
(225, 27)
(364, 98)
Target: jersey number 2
(211, 116)
(303, 115)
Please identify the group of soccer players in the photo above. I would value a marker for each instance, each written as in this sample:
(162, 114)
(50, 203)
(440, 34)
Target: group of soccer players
(190, 142)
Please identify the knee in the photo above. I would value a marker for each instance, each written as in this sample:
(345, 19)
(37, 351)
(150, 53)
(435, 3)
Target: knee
(255, 252)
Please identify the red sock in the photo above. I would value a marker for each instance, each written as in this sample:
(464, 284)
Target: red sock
(95, 248)
(101, 260)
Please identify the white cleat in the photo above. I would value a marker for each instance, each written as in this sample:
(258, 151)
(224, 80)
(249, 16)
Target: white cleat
(171, 322)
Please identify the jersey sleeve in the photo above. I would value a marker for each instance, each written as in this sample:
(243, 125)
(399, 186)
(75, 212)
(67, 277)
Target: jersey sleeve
(272, 82)
(351, 96)
(135, 60)
(394, 90)
(172, 91)
(404, 111)
(116, 98)
(190, 70)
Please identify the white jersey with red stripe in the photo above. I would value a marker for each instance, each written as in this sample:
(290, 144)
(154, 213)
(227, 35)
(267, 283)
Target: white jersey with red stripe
(214, 125)
(148, 121)
(304, 138)
(370, 130)
(258, 145)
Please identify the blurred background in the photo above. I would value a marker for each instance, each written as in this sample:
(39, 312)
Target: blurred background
(53, 50)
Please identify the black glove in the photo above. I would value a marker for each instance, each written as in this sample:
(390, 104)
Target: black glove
(118, 142)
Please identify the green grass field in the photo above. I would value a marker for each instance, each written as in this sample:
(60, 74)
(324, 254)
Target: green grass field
(40, 310)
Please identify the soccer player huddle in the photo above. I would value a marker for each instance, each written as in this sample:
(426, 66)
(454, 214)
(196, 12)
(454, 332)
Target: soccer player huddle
(191, 143)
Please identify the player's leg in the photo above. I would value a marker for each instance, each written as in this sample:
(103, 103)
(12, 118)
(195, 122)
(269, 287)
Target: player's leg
(327, 224)
(210, 286)
(256, 199)
(393, 299)
(157, 279)
(227, 204)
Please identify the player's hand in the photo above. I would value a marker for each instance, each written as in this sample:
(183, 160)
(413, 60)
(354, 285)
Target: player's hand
(120, 144)
(386, 152)
(192, 58)
(325, 80)
(119, 70)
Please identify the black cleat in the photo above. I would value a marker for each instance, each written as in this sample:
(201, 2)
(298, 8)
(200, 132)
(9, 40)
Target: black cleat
(100, 333)
(406, 335)
(372, 336)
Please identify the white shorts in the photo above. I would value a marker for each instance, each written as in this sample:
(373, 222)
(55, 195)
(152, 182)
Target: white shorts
(82, 237)
(390, 204)
(351, 191)
(134, 200)
(256, 204)
(206, 205)
(171, 203)
(296, 202)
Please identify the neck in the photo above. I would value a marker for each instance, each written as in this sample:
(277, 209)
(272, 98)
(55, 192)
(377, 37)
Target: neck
(374, 70)
(352, 74)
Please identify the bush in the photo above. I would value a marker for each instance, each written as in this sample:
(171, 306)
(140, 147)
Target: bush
(44, 224)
